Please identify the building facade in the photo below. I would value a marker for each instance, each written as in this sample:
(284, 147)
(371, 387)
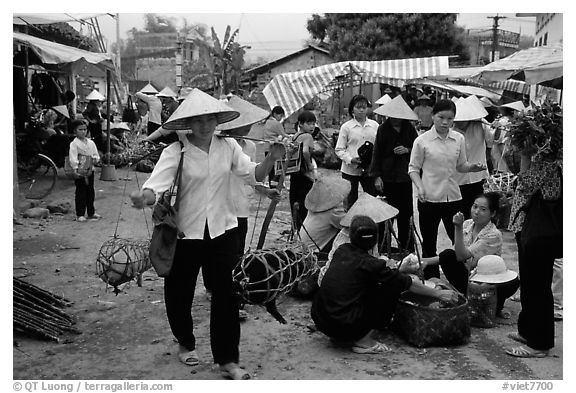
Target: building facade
(549, 28)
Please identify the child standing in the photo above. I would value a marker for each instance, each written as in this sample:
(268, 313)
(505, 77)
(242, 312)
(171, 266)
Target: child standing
(82, 155)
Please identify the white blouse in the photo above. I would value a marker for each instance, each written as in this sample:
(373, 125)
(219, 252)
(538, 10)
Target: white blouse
(205, 186)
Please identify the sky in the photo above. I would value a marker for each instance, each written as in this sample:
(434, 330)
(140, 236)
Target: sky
(273, 35)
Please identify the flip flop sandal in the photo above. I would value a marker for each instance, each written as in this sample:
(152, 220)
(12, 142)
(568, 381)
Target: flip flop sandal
(517, 337)
(189, 358)
(523, 352)
(376, 348)
(236, 373)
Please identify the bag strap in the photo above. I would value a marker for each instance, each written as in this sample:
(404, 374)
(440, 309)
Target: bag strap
(178, 178)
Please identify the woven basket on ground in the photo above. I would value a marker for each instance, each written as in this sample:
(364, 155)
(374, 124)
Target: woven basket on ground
(422, 324)
(501, 182)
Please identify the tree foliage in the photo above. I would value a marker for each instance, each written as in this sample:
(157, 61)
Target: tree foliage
(389, 36)
(226, 61)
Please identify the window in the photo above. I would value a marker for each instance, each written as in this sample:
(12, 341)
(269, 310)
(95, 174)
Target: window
(540, 42)
(545, 38)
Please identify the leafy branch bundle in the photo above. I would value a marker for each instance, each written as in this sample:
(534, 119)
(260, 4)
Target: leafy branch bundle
(538, 132)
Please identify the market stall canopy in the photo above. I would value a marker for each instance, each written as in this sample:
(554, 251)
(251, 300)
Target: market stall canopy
(536, 65)
(292, 90)
(494, 93)
(50, 52)
(43, 19)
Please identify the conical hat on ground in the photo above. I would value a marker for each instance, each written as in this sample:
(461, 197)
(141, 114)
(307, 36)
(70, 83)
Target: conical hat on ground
(370, 206)
(398, 109)
(95, 95)
(249, 113)
(469, 108)
(326, 193)
(120, 125)
(384, 99)
(196, 104)
(148, 89)
(167, 92)
(62, 109)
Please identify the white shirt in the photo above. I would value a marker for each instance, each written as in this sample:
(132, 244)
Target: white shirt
(206, 187)
(353, 135)
(154, 107)
(438, 158)
(241, 191)
(477, 138)
(85, 147)
(322, 226)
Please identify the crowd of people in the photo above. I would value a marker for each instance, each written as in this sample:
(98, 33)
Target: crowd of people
(435, 157)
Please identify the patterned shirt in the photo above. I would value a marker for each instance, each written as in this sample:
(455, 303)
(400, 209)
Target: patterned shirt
(542, 175)
(488, 241)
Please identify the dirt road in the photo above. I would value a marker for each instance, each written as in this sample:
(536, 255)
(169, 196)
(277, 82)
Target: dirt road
(127, 336)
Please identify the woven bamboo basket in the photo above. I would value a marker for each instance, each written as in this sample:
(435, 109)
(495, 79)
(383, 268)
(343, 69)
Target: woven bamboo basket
(504, 183)
(423, 325)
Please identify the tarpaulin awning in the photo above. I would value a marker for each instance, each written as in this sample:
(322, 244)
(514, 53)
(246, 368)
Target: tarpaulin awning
(292, 90)
(493, 93)
(54, 53)
(43, 19)
(539, 64)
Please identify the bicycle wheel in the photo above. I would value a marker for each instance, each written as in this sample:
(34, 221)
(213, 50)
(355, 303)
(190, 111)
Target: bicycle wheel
(37, 178)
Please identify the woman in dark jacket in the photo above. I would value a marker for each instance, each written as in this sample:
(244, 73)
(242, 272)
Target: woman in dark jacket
(390, 161)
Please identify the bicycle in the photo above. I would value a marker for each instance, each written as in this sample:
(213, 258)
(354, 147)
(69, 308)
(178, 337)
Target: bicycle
(37, 173)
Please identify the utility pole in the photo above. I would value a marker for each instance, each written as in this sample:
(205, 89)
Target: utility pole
(495, 34)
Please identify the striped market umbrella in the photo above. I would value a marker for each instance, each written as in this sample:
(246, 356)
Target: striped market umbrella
(292, 90)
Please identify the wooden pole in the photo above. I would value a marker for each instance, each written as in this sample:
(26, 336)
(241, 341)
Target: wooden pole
(108, 115)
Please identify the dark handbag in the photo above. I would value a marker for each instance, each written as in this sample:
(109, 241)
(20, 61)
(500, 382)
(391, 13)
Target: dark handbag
(365, 154)
(129, 114)
(166, 233)
(543, 219)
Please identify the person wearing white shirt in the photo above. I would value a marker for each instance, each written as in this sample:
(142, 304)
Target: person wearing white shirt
(82, 155)
(154, 110)
(439, 153)
(208, 221)
(353, 134)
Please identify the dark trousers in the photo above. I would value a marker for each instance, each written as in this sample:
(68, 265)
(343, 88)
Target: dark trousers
(218, 256)
(378, 309)
(457, 274)
(399, 195)
(84, 195)
(469, 194)
(367, 185)
(430, 215)
(299, 187)
(95, 131)
(536, 263)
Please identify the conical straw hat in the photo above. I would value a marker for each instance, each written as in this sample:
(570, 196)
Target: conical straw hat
(455, 99)
(167, 92)
(423, 97)
(486, 102)
(398, 109)
(384, 99)
(196, 104)
(249, 113)
(370, 206)
(95, 96)
(516, 105)
(469, 108)
(160, 131)
(326, 193)
(120, 125)
(62, 109)
(149, 89)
